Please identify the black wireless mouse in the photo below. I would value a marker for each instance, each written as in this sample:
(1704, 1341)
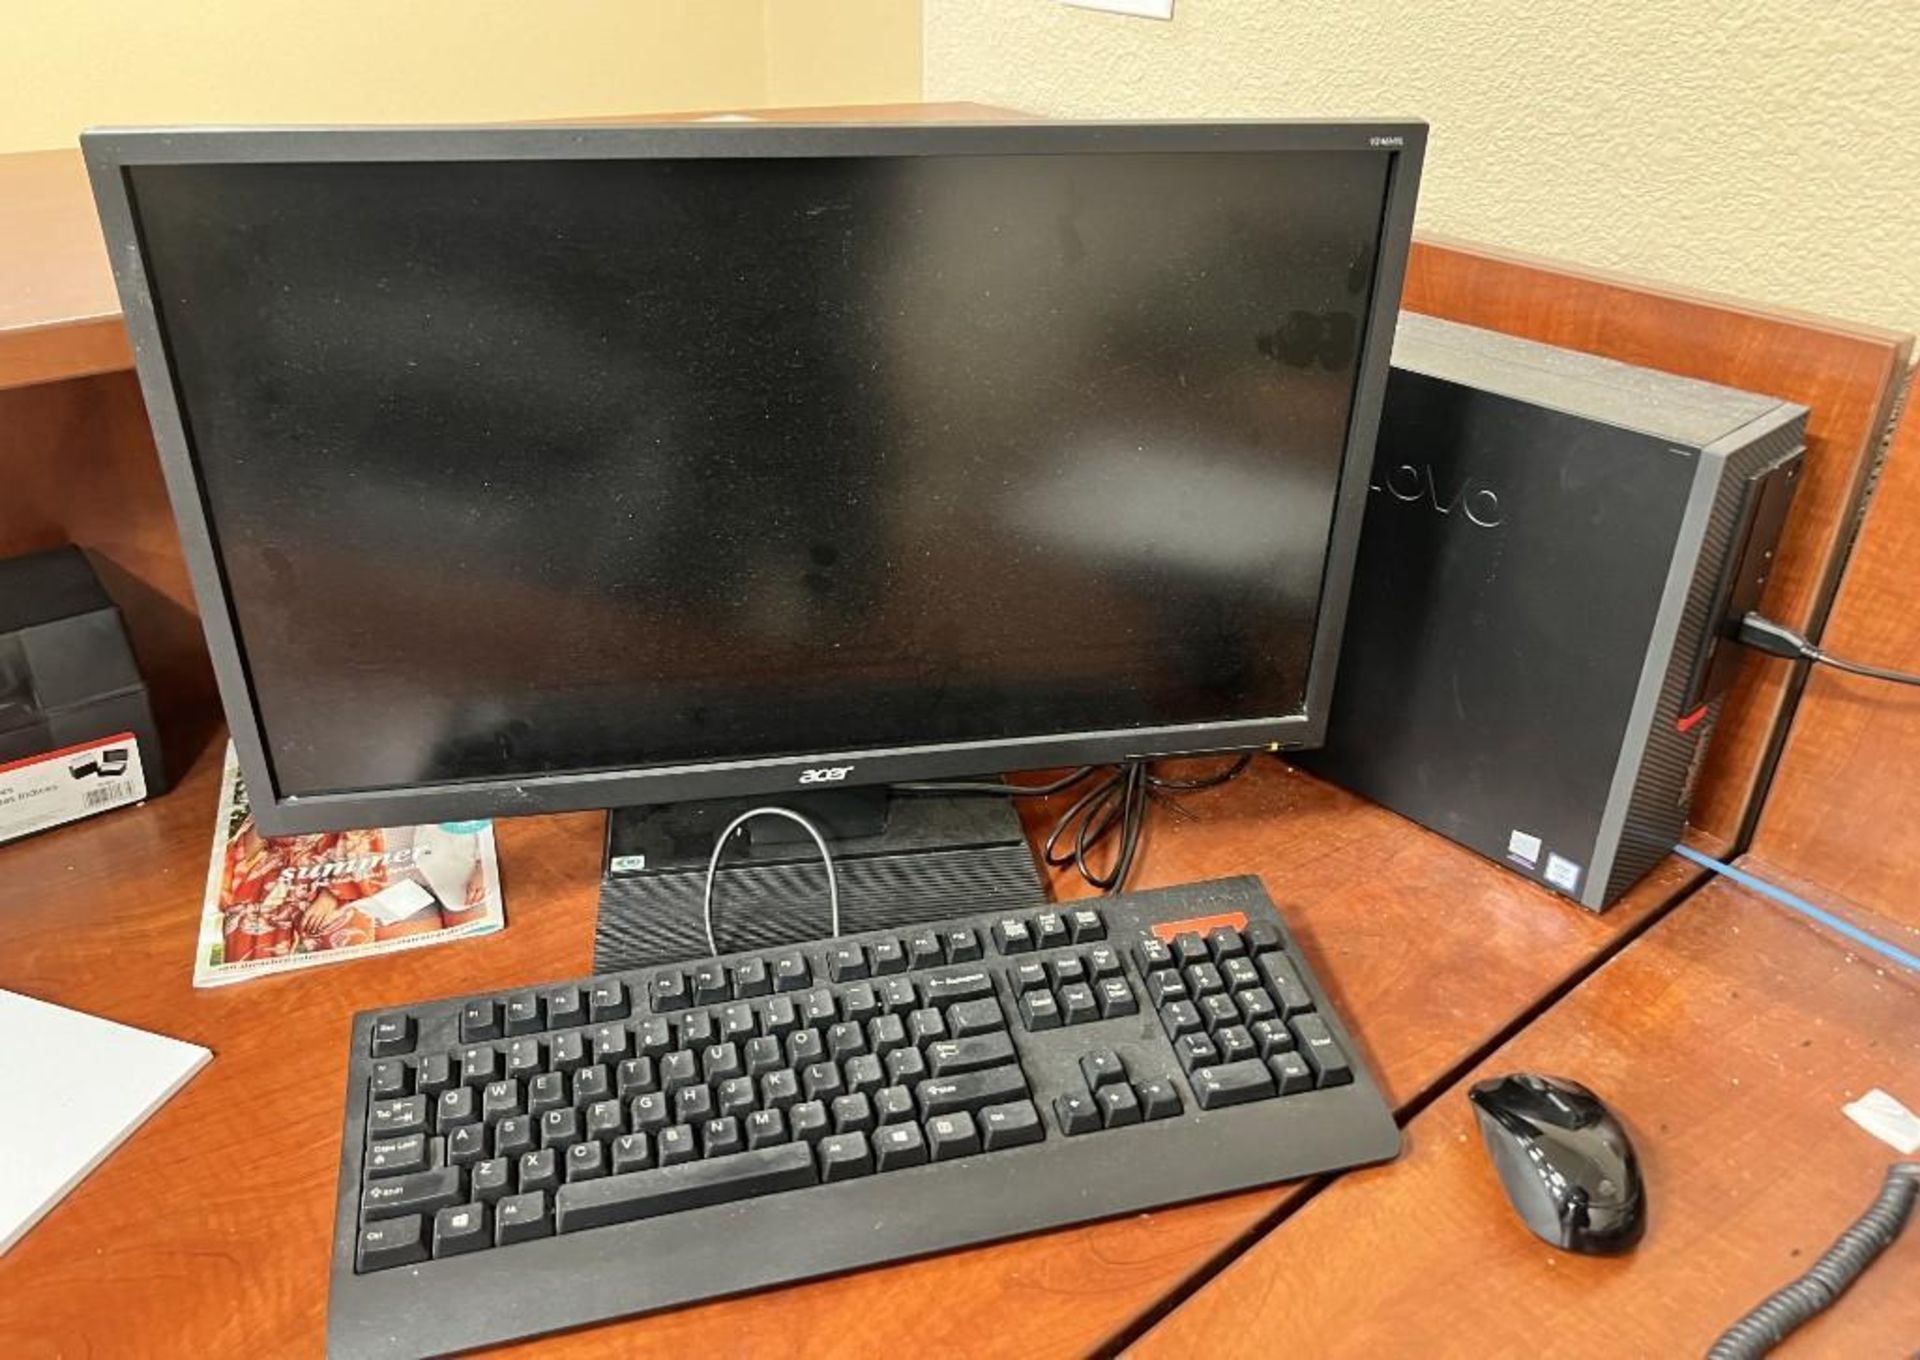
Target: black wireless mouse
(1566, 1163)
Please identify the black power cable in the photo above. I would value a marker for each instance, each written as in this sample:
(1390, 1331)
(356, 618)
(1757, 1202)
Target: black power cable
(1776, 639)
(1839, 1266)
(1118, 801)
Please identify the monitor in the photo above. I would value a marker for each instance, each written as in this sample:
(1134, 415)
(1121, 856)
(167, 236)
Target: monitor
(532, 469)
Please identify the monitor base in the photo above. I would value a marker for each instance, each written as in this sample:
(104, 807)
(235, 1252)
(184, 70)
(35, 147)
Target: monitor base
(900, 860)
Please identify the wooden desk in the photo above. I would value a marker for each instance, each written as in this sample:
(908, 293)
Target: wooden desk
(211, 1226)
(1727, 1038)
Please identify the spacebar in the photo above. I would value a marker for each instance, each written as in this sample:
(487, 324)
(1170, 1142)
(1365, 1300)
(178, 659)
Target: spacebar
(690, 1185)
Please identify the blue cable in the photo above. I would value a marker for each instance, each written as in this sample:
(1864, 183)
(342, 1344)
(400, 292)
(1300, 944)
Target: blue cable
(1804, 907)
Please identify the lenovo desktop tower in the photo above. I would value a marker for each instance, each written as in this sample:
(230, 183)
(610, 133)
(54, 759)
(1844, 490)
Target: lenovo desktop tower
(1556, 551)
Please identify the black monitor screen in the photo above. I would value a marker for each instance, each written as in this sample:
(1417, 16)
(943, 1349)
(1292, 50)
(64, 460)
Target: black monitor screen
(526, 467)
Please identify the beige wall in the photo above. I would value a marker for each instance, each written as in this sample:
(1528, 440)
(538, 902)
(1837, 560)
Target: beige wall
(1769, 148)
(69, 64)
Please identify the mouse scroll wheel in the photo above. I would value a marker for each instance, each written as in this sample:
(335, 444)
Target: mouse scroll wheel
(1531, 1082)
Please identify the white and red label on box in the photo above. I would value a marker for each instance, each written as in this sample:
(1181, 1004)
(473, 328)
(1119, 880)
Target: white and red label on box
(65, 785)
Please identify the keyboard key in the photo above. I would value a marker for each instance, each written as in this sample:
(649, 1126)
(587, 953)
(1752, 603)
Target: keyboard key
(491, 1179)
(887, 956)
(1077, 1005)
(548, 1091)
(433, 1075)
(923, 949)
(962, 945)
(607, 1118)
(846, 962)
(421, 1193)
(1038, 1011)
(1290, 1073)
(559, 1129)
(564, 1006)
(845, 1039)
(780, 1018)
(1013, 1124)
(467, 1145)
(1152, 955)
(893, 1105)
(1261, 936)
(1103, 961)
(591, 1084)
(808, 1122)
(1119, 1106)
(1224, 943)
(1218, 1011)
(720, 1061)
(391, 1077)
(395, 1242)
(817, 1007)
(539, 1170)
(524, 1014)
(1271, 1037)
(608, 1001)
(751, 978)
(905, 1066)
(859, 1003)
(851, 1114)
(678, 1070)
(721, 1137)
(1159, 1099)
(1100, 1066)
(1323, 1055)
(975, 1017)
(1236, 1045)
(844, 1156)
(970, 1090)
(950, 1136)
(1195, 1050)
(821, 1081)
(763, 1128)
(898, 996)
(668, 992)
(950, 1057)
(567, 1052)
(863, 1074)
(970, 984)
(899, 1145)
(513, 1136)
(675, 1145)
(1232, 1084)
(1115, 997)
(886, 1033)
(479, 1020)
(675, 1189)
(1181, 1017)
(1050, 930)
(1067, 970)
(805, 1046)
(398, 1117)
(524, 1058)
(1085, 925)
(636, 1077)
(1255, 1006)
(632, 1152)
(1011, 936)
(1189, 949)
(791, 973)
(392, 1035)
(1283, 980)
(762, 1055)
(584, 1161)
(521, 1218)
(1239, 973)
(461, 1229)
(610, 1043)
(1027, 977)
(925, 1025)
(398, 1156)
(691, 1104)
(1203, 979)
(734, 1096)
(1076, 1113)
(780, 1090)
(708, 983)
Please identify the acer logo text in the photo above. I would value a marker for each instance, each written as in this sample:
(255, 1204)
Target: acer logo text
(826, 774)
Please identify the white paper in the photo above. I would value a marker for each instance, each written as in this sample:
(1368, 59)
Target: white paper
(1886, 1119)
(75, 1086)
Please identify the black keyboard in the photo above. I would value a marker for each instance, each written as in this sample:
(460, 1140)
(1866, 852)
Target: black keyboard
(520, 1162)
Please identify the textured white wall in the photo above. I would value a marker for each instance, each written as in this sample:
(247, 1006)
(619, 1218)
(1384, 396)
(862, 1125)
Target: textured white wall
(1769, 148)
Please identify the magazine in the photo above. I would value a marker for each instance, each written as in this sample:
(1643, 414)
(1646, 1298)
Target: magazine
(279, 902)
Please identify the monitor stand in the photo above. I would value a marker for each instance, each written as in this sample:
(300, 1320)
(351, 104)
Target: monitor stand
(901, 859)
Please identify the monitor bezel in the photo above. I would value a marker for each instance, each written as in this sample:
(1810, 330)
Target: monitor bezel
(111, 152)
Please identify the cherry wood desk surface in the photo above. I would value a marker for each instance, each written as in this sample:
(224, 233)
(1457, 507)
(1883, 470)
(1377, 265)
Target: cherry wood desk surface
(208, 1231)
(1727, 1038)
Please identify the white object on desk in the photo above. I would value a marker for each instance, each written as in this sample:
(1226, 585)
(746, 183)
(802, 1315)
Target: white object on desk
(75, 1086)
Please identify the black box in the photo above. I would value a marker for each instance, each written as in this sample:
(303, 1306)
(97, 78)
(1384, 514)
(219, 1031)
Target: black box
(76, 725)
(1555, 551)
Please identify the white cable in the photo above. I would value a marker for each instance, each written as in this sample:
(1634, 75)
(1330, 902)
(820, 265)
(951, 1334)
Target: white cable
(720, 846)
